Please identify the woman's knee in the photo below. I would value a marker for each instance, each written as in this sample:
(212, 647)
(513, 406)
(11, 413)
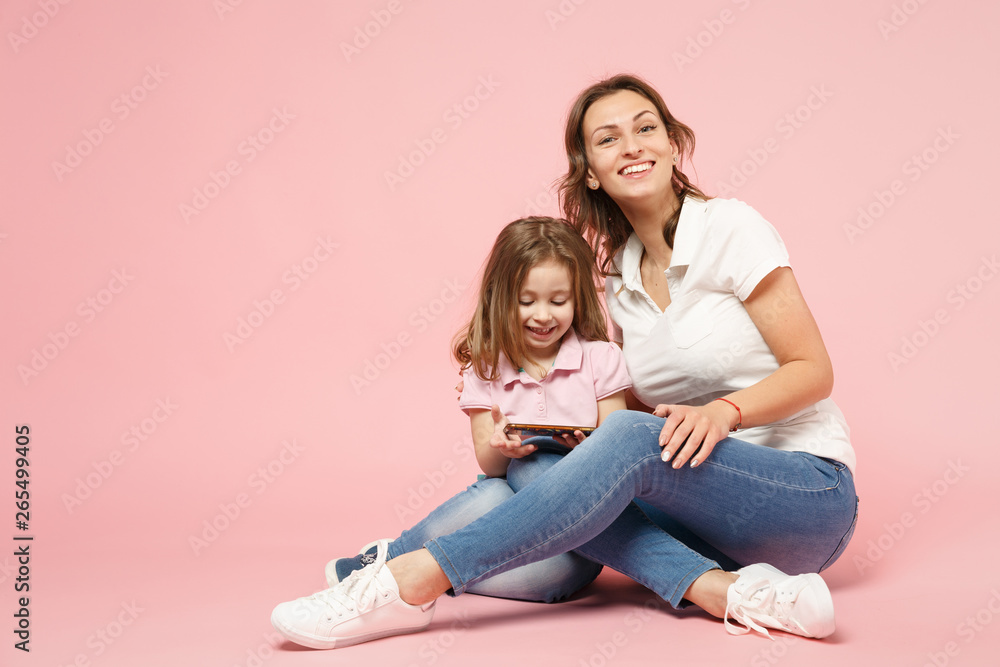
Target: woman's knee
(626, 433)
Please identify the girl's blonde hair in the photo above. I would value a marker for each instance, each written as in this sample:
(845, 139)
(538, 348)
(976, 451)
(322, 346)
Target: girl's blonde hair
(494, 328)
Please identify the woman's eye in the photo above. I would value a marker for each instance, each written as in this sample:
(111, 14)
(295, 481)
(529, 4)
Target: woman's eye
(605, 140)
(649, 128)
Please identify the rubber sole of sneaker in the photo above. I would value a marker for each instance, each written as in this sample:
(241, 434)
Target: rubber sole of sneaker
(313, 641)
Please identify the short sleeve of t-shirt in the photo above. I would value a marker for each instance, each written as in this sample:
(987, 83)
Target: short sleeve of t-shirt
(476, 393)
(610, 373)
(746, 247)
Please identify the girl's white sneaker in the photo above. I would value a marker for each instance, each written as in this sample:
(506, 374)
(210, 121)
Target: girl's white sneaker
(364, 606)
(765, 597)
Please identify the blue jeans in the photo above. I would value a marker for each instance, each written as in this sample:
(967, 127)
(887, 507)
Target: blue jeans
(745, 504)
(548, 580)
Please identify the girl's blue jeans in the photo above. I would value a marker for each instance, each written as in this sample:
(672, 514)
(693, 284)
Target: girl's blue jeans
(548, 580)
(744, 504)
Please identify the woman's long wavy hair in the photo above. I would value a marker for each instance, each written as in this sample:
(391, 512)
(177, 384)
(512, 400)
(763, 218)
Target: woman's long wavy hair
(495, 326)
(592, 212)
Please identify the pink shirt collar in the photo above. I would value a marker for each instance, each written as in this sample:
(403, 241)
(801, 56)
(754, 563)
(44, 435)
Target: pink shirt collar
(569, 357)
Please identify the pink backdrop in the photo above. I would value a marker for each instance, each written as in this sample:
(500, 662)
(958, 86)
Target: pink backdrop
(237, 237)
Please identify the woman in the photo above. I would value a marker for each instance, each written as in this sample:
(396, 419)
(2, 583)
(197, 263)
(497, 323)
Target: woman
(718, 338)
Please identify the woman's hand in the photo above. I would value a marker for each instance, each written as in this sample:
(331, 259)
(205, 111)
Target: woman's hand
(692, 432)
(508, 445)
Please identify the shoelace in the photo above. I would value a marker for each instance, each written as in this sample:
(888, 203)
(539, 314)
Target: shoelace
(756, 602)
(360, 589)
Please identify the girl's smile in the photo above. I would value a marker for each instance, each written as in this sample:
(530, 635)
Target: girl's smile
(545, 309)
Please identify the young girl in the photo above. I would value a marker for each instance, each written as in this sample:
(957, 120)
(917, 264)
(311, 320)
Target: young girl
(535, 351)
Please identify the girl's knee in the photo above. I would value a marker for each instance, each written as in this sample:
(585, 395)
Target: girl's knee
(522, 472)
(488, 493)
(550, 580)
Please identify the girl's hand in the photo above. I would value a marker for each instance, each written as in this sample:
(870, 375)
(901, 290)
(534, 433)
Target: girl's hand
(508, 445)
(571, 440)
(692, 432)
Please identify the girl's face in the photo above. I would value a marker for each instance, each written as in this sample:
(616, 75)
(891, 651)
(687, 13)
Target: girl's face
(628, 149)
(545, 307)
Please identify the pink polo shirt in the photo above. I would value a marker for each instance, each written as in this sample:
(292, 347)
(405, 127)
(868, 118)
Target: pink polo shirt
(584, 372)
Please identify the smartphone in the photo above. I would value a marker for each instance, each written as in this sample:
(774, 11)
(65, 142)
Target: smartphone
(532, 430)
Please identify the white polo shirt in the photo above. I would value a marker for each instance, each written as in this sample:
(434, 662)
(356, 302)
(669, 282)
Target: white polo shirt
(704, 345)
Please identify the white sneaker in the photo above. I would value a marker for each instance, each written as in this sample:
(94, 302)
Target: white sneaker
(338, 568)
(766, 596)
(364, 606)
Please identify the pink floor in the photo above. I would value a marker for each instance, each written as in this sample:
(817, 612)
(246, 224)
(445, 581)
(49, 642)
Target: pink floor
(227, 225)
(925, 601)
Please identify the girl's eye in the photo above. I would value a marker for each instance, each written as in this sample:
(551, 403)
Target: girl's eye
(525, 303)
(558, 303)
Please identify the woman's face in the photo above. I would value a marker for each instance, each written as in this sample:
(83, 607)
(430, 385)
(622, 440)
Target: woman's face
(628, 149)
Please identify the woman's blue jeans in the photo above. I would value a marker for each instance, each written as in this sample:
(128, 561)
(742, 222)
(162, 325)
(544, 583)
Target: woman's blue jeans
(745, 504)
(548, 580)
